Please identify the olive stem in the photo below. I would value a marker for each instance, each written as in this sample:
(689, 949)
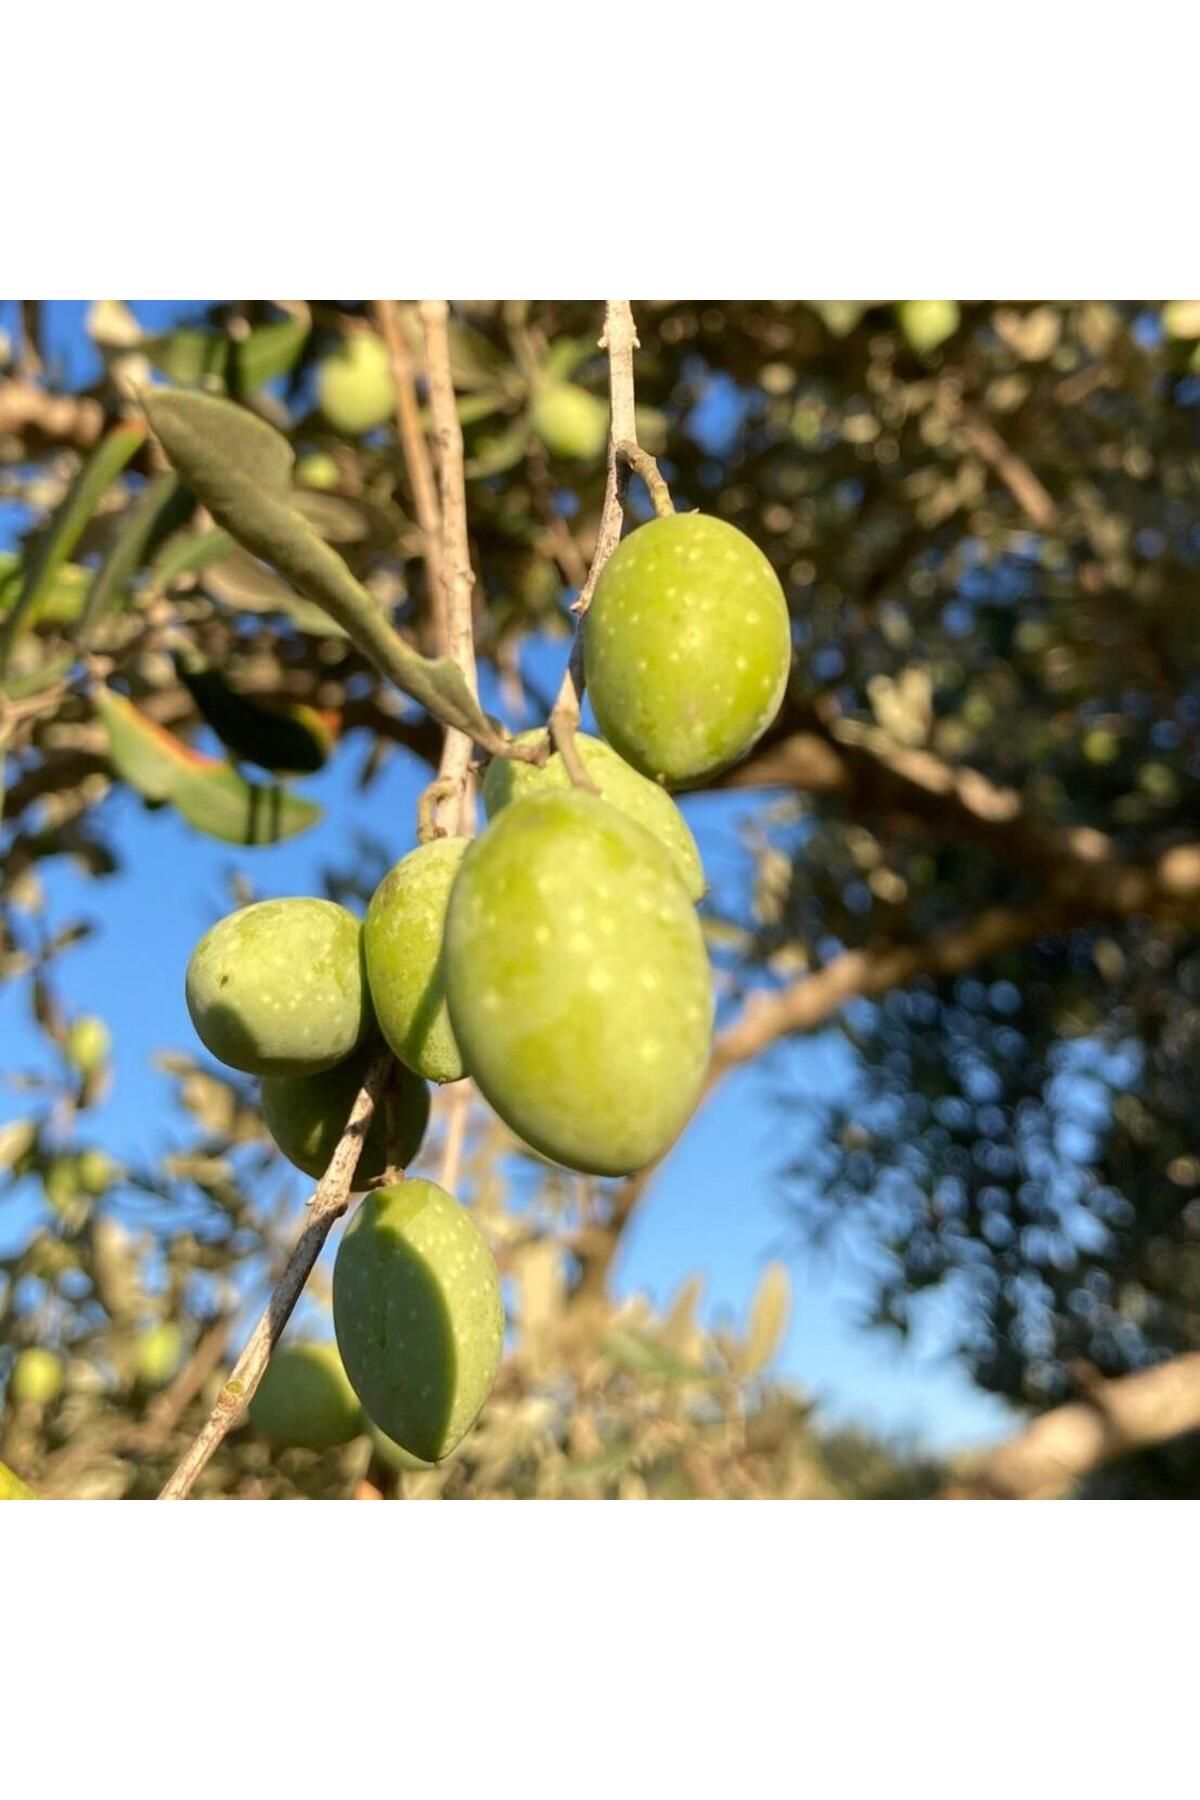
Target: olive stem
(619, 338)
(644, 465)
(327, 1205)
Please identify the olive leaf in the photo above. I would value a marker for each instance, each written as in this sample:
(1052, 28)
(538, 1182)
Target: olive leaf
(84, 495)
(151, 513)
(209, 795)
(241, 467)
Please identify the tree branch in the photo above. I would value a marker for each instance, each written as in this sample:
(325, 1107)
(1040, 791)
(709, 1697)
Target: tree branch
(456, 812)
(416, 460)
(327, 1206)
(1114, 1418)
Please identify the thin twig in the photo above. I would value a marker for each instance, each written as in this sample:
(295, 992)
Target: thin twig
(643, 464)
(457, 812)
(416, 460)
(326, 1207)
(458, 1108)
(619, 338)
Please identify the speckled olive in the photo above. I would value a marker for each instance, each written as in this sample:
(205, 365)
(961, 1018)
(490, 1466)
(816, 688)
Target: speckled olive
(278, 988)
(354, 385)
(687, 647)
(306, 1115)
(418, 1315)
(619, 784)
(402, 937)
(578, 982)
(305, 1399)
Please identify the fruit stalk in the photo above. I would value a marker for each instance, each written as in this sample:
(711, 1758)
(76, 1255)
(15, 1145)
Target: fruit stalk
(619, 338)
(327, 1205)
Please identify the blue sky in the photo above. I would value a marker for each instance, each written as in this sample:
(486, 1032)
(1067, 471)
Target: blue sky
(717, 1206)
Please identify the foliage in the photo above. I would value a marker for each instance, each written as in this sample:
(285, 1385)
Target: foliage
(985, 524)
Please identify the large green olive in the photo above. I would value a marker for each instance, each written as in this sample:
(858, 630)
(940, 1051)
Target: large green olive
(578, 983)
(305, 1399)
(687, 647)
(278, 988)
(306, 1115)
(402, 937)
(418, 1315)
(355, 390)
(37, 1377)
(619, 784)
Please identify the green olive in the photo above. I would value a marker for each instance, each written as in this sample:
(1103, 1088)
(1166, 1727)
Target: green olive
(306, 1115)
(402, 938)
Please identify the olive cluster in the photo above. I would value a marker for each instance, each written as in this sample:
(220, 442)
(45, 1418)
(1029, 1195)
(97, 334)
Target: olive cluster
(558, 960)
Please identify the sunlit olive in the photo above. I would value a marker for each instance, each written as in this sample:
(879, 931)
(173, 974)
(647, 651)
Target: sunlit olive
(354, 384)
(278, 989)
(687, 647)
(507, 780)
(419, 1320)
(402, 938)
(578, 982)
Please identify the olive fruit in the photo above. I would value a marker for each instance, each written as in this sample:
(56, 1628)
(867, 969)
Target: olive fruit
(37, 1378)
(578, 983)
(418, 1316)
(158, 1353)
(318, 470)
(306, 1115)
(305, 1399)
(12, 1487)
(402, 939)
(571, 423)
(278, 988)
(619, 784)
(87, 1044)
(394, 1454)
(686, 647)
(927, 323)
(355, 390)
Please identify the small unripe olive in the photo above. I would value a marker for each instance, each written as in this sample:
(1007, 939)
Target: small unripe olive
(278, 988)
(305, 1399)
(687, 647)
(572, 423)
(402, 939)
(87, 1044)
(355, 390)
(318, 470)
(927, 323)
(159, 1352)
(37, 1377)
(507, 780)
(578, 982)
(418, 1315)
(306, 1115)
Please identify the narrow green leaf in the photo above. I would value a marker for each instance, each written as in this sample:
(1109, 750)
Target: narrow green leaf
(240, 467)
(36, 681)
(210, 795)
(87, 490)
(186, 554)
(268, 351)
(125, 552)
(61, 600)
(190, 353)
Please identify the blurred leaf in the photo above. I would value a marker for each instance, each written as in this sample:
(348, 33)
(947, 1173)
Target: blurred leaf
(288, 739)
(16, 1139)
(634, 1351)
(157, 507)
(85, 494)
(188, 552)
(769, 1312)
(239, 581)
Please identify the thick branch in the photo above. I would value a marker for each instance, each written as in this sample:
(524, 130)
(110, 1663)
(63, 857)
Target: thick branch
(328, 1204)
(1113, 1419)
